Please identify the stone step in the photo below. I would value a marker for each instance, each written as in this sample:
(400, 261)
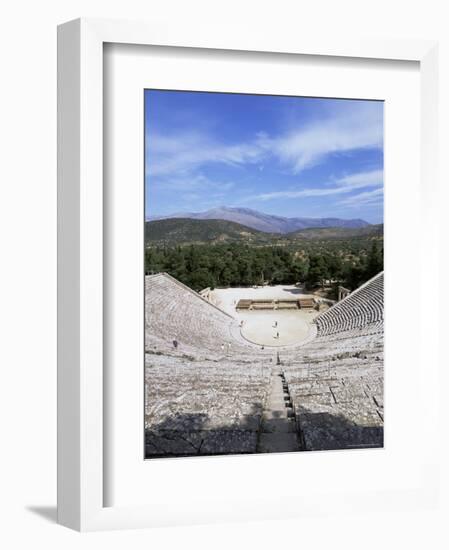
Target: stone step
(276, 403)
(278, 425)
(276, 412)
(277, 442)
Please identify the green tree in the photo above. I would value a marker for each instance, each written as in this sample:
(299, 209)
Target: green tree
(374, 262)
(318, 271)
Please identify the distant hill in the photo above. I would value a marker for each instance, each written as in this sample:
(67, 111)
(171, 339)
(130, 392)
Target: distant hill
(184, 231)
(330, 233)
(174, 231)
(265, 222)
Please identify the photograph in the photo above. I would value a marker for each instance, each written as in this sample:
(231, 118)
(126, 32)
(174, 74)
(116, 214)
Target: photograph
(194, 300)
(263, 273)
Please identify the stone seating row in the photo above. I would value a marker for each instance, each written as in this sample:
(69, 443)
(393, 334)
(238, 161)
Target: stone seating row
(206, 395)
(175, 313)
(202, 407)
(336, 388)
(361, 308)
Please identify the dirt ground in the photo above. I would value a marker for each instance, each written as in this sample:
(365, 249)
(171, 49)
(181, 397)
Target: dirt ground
(268, 328)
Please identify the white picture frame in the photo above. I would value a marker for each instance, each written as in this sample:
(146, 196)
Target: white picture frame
(81, 389)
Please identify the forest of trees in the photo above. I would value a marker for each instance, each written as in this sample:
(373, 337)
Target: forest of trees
(236, 264)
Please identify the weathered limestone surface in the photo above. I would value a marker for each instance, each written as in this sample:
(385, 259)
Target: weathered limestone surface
(202, 442)
(336, 382)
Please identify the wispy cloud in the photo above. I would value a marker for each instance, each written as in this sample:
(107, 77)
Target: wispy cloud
(345, 184)
(362, 179)
(191, 182)
(345, 131)
(186, 153)
(366, 198)
(297, 150)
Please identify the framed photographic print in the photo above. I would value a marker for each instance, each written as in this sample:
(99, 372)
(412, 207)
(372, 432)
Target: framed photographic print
(230, 330)
(263, 329)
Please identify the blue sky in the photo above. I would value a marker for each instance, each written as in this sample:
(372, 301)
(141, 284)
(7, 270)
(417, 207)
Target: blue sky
(289, 156)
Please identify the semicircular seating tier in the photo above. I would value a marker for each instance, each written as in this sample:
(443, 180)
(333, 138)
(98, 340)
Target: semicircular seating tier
(174, 312)
(209, 395)
(360, 309)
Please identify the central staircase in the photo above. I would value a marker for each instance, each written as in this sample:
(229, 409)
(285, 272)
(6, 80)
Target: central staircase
(278, 427)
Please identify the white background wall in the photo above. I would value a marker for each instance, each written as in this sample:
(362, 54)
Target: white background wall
(28, 269)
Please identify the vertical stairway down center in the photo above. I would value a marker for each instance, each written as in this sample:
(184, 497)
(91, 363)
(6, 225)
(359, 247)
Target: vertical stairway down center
(278, 427)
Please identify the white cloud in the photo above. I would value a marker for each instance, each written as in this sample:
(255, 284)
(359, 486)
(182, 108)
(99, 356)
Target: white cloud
(186, 153)
(362, 179)
(190, 181)
(361, 127)
(366, 198)
(292, 194)
(345, 184)
(351, 128)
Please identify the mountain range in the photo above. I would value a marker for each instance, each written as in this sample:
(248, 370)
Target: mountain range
(264, 222)
(185, 230)
(177, 231)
